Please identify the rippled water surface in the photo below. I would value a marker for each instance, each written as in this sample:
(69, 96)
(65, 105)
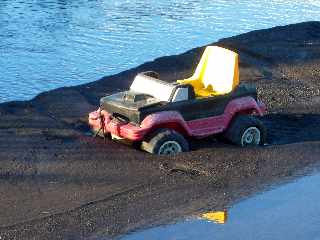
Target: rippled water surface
(46, 44)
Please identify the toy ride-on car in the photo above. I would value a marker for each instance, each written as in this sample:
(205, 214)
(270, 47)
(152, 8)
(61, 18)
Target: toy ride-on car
(162, 116)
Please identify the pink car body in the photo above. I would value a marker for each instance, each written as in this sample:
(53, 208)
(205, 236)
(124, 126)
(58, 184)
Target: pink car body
(198, 128)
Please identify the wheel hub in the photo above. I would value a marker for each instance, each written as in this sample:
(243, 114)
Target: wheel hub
(170, 147)
(251, 136)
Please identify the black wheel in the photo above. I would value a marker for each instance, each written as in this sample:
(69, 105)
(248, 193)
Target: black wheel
(165, 142)
(246, 131)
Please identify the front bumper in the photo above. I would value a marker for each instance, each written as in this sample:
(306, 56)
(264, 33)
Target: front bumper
(102, 121)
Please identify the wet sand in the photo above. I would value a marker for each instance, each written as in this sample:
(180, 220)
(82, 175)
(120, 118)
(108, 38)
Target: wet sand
(57, 182)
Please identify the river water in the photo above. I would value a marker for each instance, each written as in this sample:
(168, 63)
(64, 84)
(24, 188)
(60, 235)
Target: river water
(45, 44)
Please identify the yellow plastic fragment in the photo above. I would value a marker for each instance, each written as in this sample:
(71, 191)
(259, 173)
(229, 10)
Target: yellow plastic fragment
(219, 217)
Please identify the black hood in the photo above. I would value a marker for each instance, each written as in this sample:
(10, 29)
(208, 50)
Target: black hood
(128, 105)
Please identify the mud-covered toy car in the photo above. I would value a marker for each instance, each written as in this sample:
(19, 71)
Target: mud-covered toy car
(161, 116)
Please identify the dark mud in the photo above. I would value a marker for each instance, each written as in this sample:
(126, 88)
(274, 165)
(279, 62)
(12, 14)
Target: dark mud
(57, 182)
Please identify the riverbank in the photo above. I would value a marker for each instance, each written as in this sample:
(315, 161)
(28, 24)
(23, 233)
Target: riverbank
(58, 182)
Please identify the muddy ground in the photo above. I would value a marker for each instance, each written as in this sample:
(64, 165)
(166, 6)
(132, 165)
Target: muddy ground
(57, 182)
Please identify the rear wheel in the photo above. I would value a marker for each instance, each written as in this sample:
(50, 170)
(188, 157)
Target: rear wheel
(246, 131)
(165, 142)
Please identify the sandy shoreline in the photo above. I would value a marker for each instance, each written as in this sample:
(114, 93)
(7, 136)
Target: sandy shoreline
(59, 183)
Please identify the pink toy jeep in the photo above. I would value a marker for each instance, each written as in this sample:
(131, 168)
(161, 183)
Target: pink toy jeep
(161, 116)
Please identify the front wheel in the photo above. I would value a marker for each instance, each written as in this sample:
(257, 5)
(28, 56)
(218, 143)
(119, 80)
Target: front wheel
(251, 136)
(246, 131)
(165, 142)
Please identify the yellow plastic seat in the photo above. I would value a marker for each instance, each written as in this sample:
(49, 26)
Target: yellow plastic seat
(216, 74)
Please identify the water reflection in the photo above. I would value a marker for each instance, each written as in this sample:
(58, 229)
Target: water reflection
(54, 43)
(287, 212)
(219, 217)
